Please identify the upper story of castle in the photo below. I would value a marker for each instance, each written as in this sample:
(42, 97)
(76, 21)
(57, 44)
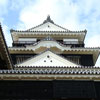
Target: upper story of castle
(48, 31)
(55, 38)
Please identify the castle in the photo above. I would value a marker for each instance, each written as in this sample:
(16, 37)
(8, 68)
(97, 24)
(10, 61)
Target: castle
(48, 62)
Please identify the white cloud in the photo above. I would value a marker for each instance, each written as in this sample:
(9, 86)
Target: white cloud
(93, 41)
(64, 12)
(32, 15)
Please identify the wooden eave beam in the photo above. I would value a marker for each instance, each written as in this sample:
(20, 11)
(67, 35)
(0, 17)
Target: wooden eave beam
(4, 50)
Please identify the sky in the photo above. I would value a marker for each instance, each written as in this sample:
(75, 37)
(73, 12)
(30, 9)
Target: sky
(71, 14)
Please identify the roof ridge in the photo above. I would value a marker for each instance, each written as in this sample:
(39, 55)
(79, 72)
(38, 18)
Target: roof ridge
(12, 30)
(85, 67)
(52, 71)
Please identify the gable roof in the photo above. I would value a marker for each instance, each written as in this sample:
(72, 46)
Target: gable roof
(47, 58)
(48, 25)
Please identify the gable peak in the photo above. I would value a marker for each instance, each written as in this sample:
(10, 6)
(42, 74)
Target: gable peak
(48, 20)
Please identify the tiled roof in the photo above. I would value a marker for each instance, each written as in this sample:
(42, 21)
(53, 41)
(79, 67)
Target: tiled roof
(53, 71)
(36, 31)
(71, 49)
(86, 67)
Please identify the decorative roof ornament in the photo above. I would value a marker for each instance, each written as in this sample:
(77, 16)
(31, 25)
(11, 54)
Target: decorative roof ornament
(48, 20)
(11, 30)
